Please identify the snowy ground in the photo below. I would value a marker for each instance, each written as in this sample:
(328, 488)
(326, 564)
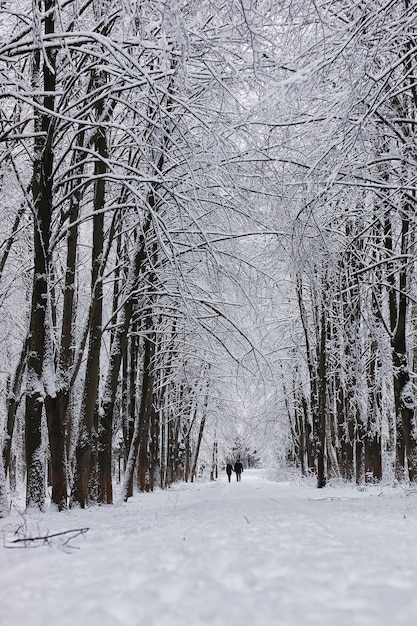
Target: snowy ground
(255, 553)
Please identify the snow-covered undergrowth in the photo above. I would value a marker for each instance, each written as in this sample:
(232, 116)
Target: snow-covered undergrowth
(254, 553)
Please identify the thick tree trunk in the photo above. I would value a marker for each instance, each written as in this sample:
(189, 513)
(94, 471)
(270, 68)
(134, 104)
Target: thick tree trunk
(56, 409)
(66, 374)
(42, 215)
(85, 484)
(373, 457)
(88, 414)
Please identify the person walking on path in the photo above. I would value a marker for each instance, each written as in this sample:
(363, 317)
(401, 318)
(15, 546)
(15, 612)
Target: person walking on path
(229, 470)
(238, 469)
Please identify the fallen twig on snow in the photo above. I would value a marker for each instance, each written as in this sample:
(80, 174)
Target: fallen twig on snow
(63, 538)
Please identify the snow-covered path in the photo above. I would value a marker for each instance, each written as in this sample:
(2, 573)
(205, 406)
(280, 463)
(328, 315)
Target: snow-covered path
(255, 553)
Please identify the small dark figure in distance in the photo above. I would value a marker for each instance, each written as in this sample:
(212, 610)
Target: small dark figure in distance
(238, 469)
(229, 470)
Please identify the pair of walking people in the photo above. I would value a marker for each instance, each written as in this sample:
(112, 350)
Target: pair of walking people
(238, 468)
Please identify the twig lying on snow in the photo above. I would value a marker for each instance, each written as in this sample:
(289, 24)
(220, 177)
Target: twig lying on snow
(64, 537)
(331, 498)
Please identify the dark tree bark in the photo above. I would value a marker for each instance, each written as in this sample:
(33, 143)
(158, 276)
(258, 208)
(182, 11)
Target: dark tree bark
(321, 408)
(406, 435)
(311, 427)
(153, 448)
(131, 404)
(373, 443)
(118, 352)
(4, 504)
(199, 439)
(57, 406)
(42, 180)
(139, 441)
(85, 486)
(13, 400)
(146, 410)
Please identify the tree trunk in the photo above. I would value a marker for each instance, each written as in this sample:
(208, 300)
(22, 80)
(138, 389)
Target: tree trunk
(145, 413)
(4, 505)
(66, 360)
(406, 434)
(131, 403)
(198, 446)
(321, 409)
(38, 345)
(153, 449)
(117, 353)
(12, 405)
(56, 409)
(373, 451)
(83, 490)
(142, 421)
(311, 427)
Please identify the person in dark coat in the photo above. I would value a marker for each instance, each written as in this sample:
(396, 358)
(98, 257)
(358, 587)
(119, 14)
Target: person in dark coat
(238, 469)
(229, 470)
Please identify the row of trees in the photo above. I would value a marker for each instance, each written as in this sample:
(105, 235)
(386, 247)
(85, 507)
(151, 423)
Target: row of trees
(123, 174)
(351, 392)
(195, 191)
